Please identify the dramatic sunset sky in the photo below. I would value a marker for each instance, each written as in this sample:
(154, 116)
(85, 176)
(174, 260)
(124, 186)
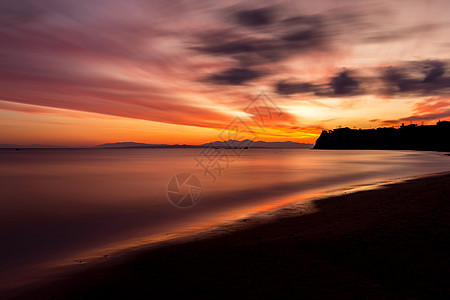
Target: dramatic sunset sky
(95, 71)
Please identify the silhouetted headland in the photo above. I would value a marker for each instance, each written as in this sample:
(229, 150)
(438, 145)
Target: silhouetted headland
(410, 137)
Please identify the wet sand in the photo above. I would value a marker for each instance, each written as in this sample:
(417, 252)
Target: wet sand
(386, 243)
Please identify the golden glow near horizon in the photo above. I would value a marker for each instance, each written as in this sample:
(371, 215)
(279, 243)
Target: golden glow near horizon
(52, 126)
(80, 74)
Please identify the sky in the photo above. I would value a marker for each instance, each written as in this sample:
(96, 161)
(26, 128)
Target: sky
(82, 73)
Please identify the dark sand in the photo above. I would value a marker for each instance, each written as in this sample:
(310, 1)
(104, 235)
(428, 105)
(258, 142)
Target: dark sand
(390, 243)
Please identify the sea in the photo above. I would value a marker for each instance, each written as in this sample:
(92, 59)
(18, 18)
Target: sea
(64, 208)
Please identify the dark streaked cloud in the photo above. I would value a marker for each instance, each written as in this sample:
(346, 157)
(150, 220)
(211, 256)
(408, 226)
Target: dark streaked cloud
(286, 88)
(235, 76)
(244, 50)
(259, 38)
(433, 70)
(343, 84)
(255, 17)
(269, 36)
(420, 78)
(417, 78)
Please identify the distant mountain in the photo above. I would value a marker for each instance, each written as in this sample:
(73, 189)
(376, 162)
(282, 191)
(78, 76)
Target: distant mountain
(217, 144)
(123, 145)
(257, 144)
(142, 145)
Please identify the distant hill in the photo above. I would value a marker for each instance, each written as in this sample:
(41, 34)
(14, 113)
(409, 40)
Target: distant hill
(217, 144)
(411, 137)
(123, 145)
(142, 145)
(257, 144)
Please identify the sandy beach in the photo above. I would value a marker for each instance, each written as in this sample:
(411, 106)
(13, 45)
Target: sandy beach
(385, 243)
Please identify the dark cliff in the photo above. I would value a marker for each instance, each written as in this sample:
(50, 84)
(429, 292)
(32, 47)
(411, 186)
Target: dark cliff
(411, 137)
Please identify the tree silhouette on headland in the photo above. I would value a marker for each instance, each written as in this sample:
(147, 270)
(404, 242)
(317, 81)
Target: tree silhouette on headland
(410, 137)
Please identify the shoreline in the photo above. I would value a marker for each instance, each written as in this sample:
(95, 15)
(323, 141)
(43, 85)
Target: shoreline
(231, 236)
(111, 254)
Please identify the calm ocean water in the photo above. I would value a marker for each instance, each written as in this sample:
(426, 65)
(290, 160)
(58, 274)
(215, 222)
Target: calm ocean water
(63, 206)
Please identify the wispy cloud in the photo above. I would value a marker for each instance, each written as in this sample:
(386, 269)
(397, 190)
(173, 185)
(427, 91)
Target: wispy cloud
(431, 109)
(176, 62)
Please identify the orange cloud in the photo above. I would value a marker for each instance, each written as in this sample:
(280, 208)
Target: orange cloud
(428, 110)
